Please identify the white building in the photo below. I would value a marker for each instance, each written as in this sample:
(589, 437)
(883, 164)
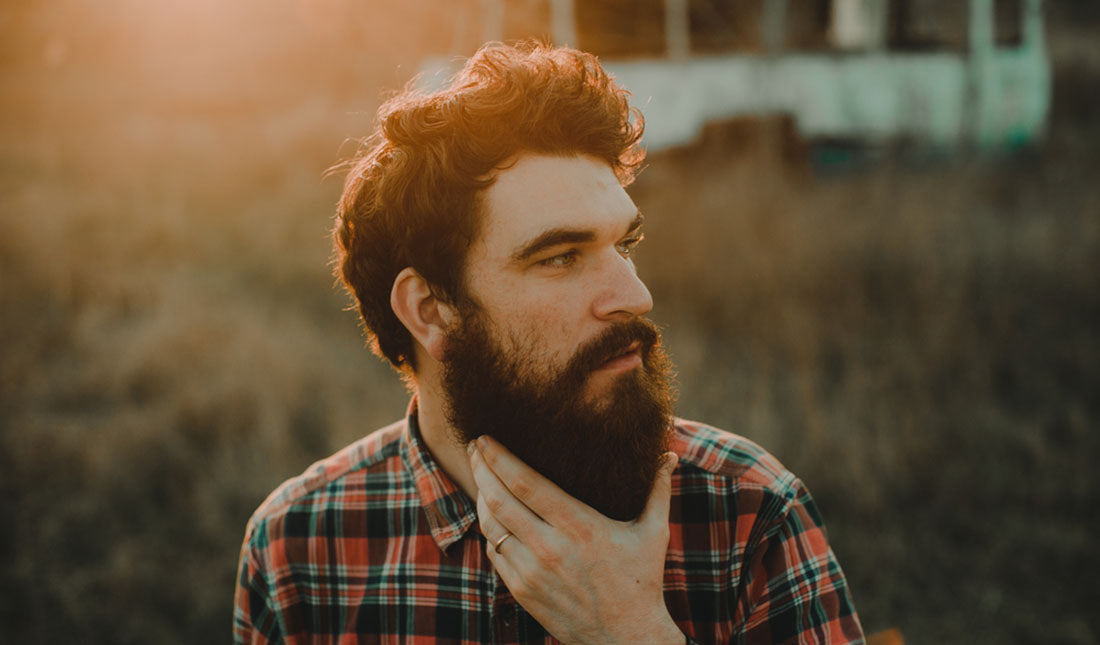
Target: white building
(944, 72)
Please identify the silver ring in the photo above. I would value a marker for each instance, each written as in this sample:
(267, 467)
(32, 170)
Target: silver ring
(496, 547)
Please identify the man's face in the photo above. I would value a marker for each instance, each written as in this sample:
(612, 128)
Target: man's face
(551, 267)
(552, 358)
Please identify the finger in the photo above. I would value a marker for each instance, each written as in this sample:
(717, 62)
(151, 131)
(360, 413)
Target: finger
(530, 488)
(512, 557)
(489, 526)
(498, 503)
(508, 563)
(519, 570)
(512, 548)
(656, 508)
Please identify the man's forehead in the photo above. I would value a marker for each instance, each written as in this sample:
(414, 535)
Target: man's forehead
(537, 193)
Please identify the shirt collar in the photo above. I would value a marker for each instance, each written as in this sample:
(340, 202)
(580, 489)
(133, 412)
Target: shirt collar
(450, 511)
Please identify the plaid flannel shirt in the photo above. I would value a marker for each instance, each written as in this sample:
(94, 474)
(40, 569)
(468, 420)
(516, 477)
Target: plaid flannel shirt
(377, 544)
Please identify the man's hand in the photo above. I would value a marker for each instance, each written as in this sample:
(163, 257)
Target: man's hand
(586, 578)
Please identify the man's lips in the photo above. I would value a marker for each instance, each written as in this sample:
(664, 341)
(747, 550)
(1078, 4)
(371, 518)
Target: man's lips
(629, 358)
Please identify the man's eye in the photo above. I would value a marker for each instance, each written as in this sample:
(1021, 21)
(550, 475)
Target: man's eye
(626, 247)
(561, 260)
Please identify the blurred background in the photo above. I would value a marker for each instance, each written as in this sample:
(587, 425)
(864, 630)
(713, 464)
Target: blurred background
(884, 268)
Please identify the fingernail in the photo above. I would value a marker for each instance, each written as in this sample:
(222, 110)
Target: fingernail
(482, 442)
(470, 448)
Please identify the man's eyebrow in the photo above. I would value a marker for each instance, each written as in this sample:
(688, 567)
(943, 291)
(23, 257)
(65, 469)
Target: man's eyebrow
(556, 236)
(553, 237)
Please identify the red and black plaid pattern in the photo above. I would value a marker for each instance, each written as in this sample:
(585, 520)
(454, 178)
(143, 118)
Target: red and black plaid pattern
(377, 545)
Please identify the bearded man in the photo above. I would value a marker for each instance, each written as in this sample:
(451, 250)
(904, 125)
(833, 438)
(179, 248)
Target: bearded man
(539, 488)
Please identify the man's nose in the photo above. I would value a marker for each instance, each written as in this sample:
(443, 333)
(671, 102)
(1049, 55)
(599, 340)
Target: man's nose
(621, 293)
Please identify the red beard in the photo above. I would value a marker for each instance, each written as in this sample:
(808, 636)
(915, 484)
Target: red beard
(605, 454)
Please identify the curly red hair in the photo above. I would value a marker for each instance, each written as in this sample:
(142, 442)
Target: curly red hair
(410, 199)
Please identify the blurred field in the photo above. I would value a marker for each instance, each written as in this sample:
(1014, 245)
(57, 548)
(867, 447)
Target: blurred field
(913, 334)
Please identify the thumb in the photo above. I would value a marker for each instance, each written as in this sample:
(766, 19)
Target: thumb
(656, 508)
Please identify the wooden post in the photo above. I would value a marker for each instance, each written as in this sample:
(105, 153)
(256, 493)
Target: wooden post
(982, 71)
(493, 27)
(563, 26)
(1032, 24)
(677, 29)
(774, 25)
(858, 24)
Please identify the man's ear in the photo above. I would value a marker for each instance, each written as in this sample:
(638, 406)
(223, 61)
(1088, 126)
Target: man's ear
(426, 317)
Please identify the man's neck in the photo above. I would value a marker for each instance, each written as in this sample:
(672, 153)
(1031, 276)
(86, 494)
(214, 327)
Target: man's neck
(439, 437)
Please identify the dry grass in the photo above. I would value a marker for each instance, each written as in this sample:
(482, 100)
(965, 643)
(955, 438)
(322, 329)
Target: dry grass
(172, 348)
(917, 339)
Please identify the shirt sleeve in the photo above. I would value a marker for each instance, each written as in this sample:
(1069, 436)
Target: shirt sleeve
(794, 588)
(254, 619)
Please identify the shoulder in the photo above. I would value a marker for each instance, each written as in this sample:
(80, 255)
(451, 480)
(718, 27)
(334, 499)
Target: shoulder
(725, 478)
(727, 455)
(733, 472)
(333, 481)
(740, 507)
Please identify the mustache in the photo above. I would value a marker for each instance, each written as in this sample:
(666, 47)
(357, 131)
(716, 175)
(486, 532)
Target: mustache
(611, 343)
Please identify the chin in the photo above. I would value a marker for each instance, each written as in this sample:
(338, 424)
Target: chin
(602, 390)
